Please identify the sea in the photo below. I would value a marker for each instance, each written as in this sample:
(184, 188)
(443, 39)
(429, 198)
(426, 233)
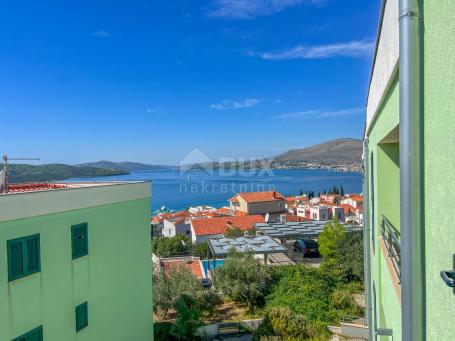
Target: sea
(175, 189)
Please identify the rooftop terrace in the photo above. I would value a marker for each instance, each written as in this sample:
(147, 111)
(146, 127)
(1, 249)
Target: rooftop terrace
(52, 186)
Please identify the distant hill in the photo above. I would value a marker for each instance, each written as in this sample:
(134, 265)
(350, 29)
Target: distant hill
(123, 166)
(341, 154)
(337, 151)
(55, 171)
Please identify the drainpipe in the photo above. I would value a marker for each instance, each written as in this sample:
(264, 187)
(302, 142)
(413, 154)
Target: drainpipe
(410, 173)
(366, 238)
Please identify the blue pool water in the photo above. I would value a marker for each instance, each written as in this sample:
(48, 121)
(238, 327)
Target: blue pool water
(218, 264)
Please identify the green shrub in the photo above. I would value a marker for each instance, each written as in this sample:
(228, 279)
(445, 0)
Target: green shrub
(162, 331)
(164, 247)
(332, 233)
(243, 279)
(188, 319)
(282, 324)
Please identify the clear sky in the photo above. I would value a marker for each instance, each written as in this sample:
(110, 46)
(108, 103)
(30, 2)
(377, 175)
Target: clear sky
(148, 81)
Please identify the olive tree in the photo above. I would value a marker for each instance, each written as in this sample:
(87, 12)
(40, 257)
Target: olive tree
(243, 279)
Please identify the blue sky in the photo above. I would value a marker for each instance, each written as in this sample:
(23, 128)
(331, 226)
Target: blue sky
(148, 81)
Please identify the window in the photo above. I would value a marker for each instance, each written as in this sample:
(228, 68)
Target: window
(23, 257)
(81, 316)
(33, 335)
(79, 240)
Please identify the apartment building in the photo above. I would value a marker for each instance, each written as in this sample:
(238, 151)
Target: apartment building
(409, 157)
(75, 262)
(271, 202)
(175, 226)
(204, 229)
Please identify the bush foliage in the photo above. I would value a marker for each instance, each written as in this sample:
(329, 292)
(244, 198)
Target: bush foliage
(178, 245)
(243, 279)
(303, 301)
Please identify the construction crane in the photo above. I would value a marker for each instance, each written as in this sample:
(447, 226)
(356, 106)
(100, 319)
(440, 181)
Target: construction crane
(4, 172)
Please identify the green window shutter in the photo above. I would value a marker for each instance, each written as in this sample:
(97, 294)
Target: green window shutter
(33, 254)
(81, 316)
(33, 335)
(23, 256)
(15, 259)
(79, 240)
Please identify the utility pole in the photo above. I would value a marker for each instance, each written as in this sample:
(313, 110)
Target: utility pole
(4, 173)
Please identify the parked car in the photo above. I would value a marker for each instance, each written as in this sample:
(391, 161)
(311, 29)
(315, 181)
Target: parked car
(308, 247)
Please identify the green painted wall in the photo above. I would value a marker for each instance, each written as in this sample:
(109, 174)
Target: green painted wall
(388, 182)
(385, 201)
(439, 159)
(115, 277)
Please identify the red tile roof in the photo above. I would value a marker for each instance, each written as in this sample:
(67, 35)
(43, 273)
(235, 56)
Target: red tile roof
(221, 225)
(193, 266)
(208, 214)
(32, 187)
(347, 208)
(258, 196)
(357, 198)
(162, 216)
(224, 211)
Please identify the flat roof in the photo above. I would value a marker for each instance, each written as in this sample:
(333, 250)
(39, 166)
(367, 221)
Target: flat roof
(297, 229)
(257, 245)
(17, 188)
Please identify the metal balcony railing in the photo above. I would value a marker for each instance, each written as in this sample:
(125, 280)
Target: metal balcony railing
(392, 242)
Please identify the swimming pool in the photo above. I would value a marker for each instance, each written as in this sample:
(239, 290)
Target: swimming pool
(213, 265)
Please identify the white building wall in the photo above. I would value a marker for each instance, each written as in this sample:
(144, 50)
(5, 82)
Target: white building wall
(386, 63)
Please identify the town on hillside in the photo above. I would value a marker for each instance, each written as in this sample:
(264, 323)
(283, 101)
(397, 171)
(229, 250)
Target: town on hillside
(245, 209)
(237, 253)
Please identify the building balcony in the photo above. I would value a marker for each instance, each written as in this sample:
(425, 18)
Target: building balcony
(391, 245)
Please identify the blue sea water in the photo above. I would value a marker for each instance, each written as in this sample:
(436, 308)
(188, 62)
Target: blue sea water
(174, 190)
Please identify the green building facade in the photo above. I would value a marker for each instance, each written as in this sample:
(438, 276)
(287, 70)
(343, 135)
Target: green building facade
(433, 300)
(75, 264)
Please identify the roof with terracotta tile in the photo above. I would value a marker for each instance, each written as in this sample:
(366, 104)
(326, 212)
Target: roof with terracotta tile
(258, 196)
(224, 211)
(357, 198)
(162, 216)
(191, 265)
(221, 225)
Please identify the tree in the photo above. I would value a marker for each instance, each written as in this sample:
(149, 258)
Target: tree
(349, 253)
(317, 295)
(233, 232)
(188, 319)
(332, 233)
(167, 288)
(342, 191)
(243, 279)
(170, 246)
(201, 249)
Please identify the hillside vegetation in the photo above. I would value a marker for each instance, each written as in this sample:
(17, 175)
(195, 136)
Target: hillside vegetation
(55, 171)
(335, 151)
(123, 166)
